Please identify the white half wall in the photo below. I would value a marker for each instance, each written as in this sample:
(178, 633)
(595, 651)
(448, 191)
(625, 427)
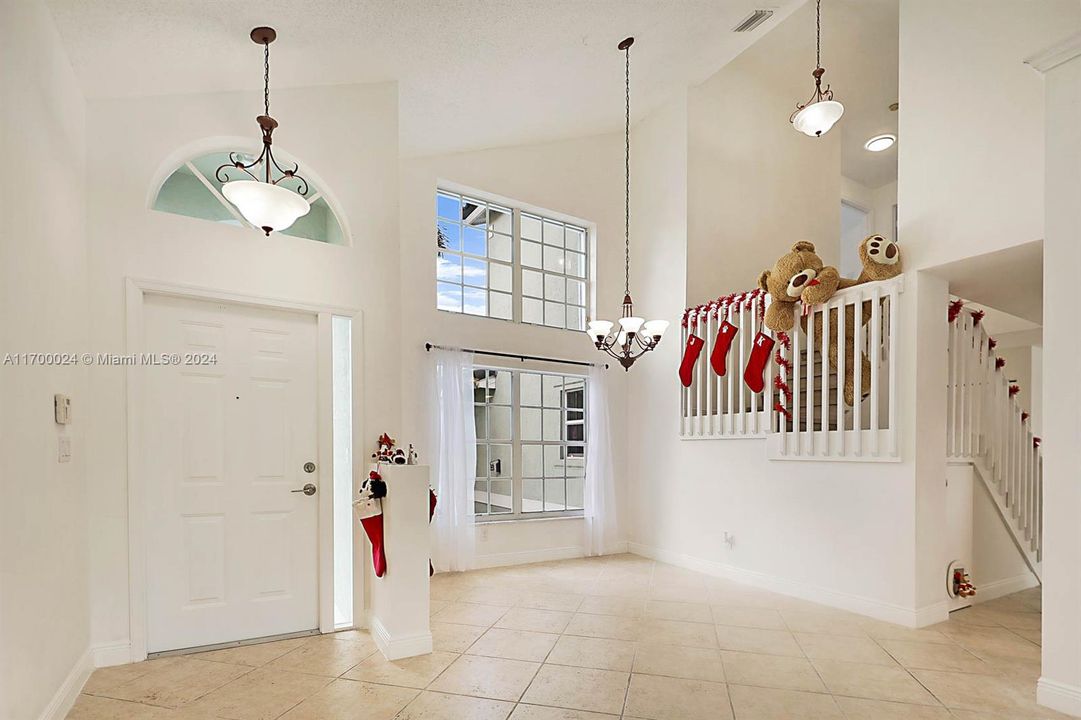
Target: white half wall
(44, 620)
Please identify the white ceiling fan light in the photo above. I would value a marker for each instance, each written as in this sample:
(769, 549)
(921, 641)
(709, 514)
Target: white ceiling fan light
(880, 142)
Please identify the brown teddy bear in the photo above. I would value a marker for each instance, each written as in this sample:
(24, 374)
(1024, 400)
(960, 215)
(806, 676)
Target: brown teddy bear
(881, 260)
(798, 275)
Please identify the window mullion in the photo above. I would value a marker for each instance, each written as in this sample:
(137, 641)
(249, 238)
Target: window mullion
(516, 444)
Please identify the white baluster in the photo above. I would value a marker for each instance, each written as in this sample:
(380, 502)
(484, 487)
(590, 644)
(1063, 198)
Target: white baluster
(810, 381)
(684, 396)
(797, 437)
(704, 362)
(842, 350)
(893, 339)
(754, 396)
(857, 374)
(875, 354)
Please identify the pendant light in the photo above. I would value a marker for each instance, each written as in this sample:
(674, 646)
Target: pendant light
(635, 336)
(266, 202)
(817, 115)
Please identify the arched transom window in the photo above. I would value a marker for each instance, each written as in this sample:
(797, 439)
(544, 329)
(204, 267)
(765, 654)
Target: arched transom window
(193, 190)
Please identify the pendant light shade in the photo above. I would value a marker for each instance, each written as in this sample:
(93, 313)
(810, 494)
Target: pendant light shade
(817, 118)
(274, 201)
(266, 206)
(821, 111)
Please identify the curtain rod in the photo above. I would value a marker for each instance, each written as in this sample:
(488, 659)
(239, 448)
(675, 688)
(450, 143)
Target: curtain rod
(428, 347)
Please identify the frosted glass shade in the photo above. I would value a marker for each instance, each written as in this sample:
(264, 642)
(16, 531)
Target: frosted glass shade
(631, 324)
(599, 329)
(266, 206)
(817, 118)
(655, 328)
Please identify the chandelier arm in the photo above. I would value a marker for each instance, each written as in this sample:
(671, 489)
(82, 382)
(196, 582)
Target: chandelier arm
(235, 162)
(286, 174)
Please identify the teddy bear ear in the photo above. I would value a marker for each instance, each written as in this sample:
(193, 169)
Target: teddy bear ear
(803, 246)
(763, 280)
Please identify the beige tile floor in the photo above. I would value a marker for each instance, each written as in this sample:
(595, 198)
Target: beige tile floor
(615, 637)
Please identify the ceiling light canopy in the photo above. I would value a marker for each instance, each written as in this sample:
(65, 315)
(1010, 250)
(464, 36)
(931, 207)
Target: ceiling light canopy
(880, 142)
(821, 111)
(266, 202)
(634, 335)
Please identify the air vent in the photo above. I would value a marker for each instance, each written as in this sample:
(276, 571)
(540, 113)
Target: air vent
(753, 20)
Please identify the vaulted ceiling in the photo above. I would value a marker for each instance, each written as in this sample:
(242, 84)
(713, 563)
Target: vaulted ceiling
(471, 73)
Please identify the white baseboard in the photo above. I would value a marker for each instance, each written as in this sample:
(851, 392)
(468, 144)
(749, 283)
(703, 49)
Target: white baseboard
(109, 654)
(1059, 696)
(65, 696)
(1006, 586)
(897, 614)
(525, 557)
(400, 647)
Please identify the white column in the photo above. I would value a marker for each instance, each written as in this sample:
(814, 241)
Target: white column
(1060, 682)
(399, 619)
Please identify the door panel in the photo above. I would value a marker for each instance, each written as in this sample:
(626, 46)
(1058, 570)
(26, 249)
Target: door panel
(232, 553)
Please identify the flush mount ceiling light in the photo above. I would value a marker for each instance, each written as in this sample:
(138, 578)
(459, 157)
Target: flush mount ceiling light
(267, 202)
(635, 336)
(880, 142)
(821, 111)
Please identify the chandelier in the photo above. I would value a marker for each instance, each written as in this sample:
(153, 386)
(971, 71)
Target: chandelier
(821, 111)
(264, 201)
(635, 335)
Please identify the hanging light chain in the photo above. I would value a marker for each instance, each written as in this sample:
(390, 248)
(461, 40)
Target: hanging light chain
(818, 33)
(627, 176)
(266, 78)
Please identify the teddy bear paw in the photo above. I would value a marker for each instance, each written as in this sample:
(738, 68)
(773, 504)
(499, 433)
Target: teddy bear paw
(882, 251)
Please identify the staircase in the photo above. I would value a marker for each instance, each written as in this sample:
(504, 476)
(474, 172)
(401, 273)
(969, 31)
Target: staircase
(987, 428)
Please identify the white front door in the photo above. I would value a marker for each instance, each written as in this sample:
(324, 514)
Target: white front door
(232, 550)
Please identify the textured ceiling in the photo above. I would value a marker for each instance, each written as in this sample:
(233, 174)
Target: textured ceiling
(471, 73)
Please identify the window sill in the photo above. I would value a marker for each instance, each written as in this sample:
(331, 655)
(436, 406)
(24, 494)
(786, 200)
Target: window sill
(516, 520)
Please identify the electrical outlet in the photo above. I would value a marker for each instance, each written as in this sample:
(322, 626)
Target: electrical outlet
(63, 449)
(729, 539)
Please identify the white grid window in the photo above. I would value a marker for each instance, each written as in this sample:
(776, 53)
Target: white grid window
(478, 272)
(554, 268)
(474, 256)
(530, 443)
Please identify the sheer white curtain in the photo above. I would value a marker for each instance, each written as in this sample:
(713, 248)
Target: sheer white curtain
(454, 459)
(602, 526)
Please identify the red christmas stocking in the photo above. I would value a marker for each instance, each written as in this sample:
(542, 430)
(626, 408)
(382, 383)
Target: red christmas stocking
(719, 358)
(431, 514)
(690, 357)
(756, 365)
(371, 517)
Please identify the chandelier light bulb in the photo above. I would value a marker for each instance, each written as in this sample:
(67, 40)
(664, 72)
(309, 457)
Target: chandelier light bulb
(655, 328)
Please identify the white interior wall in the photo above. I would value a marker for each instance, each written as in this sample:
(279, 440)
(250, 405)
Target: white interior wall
(347, 135)
(580, 178)
(1060, 681)
(44, 620)
(971, 174)
(755, 185)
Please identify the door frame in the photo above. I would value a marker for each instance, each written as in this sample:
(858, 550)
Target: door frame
(136, 291)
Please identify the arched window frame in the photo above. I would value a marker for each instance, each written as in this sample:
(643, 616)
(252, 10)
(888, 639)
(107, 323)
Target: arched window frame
(187, 154)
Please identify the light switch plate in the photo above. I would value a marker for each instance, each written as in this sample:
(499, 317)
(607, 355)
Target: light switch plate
(63, 450)
(62, 409)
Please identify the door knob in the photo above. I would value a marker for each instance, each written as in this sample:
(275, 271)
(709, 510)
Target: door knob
(308, 489)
